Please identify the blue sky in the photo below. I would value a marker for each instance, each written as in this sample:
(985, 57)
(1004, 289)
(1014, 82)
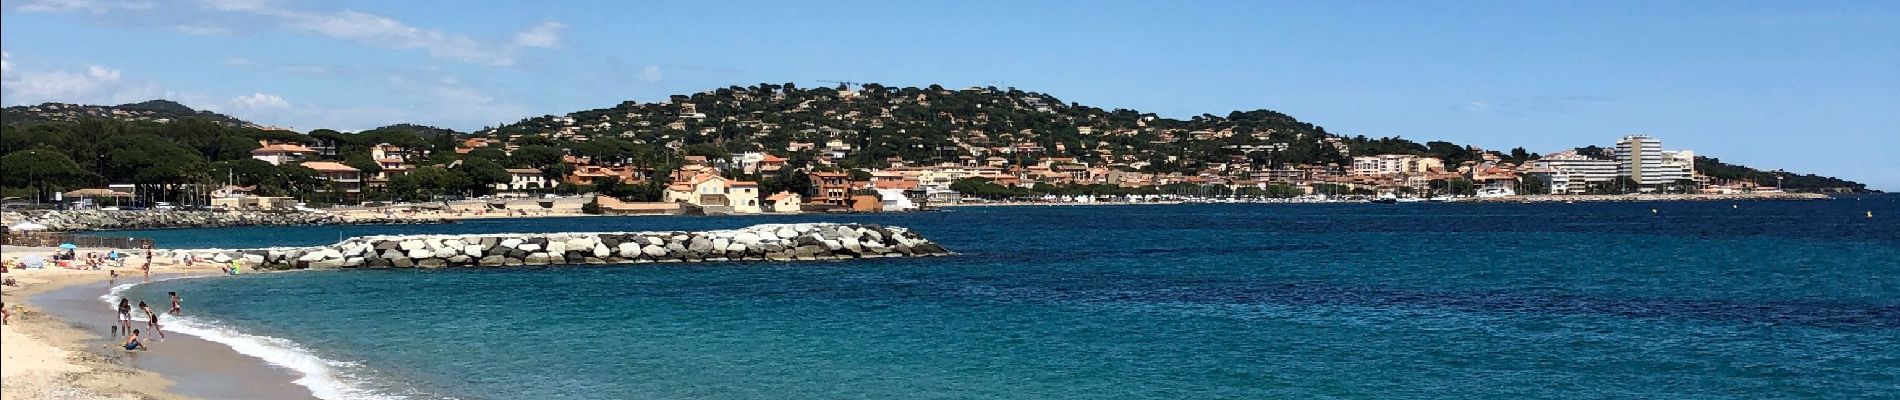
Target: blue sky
(1806, 86)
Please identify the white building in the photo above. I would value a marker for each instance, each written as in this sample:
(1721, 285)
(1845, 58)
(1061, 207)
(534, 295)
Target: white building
(524, 179)
(1569, 172)
(1393, 164)
(894, 200)
(1642, 159)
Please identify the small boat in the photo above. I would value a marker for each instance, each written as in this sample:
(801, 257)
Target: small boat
(1385, 200)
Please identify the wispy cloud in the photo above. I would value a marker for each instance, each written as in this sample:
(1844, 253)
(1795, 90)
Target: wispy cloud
(423, 95)
(1534, 105)
(202, 29)
(545, 35)
(260, 100)
(381, 31)
(83, 6)
(230, 16)
(650, 74)
(94, 84)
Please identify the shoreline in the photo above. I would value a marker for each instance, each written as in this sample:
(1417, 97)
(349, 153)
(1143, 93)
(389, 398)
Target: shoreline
(1524, 199)
(53, 350)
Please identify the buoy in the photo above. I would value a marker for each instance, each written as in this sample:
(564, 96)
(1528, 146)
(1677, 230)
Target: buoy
(1652, 211)
(1735, 206)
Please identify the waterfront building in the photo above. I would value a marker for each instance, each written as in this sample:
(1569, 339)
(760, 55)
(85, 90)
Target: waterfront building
(1394, 164)
(832, 188)
(1567, 172)
(783, 202)
(520, 179)
(715, 194)
(1642, 159)
(344, 181)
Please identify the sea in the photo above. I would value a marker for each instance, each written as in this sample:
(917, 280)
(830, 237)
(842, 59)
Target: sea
(1675, 300)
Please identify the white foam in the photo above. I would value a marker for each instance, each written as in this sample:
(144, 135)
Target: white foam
(318, 375)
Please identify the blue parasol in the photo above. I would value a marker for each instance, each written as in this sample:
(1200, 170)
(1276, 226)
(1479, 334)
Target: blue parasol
(68, 246)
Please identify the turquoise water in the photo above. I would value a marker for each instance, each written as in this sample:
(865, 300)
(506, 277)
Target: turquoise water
(1695, 301)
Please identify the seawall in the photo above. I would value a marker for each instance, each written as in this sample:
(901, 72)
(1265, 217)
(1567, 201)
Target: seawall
(81, 220)
(770, 242)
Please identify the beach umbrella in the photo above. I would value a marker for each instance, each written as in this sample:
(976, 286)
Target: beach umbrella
(28, 226)
(68, 246)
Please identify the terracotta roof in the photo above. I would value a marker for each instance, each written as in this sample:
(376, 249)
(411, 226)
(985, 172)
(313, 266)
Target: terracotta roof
(772, 158)
(96, 193)
(742, 183)
(779, 196)
(896, 184)
(326, 166)
(283, 148)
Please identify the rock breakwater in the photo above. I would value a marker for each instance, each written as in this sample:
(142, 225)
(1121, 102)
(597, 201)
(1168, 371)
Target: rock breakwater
(81, 220)
(772, 242)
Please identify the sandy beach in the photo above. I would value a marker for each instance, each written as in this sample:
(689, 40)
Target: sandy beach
(52, 350)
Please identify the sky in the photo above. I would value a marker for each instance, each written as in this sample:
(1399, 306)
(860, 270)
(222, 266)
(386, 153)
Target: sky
(1807, 86)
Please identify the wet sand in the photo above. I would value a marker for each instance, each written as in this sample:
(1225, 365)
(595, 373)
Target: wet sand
(196, 367)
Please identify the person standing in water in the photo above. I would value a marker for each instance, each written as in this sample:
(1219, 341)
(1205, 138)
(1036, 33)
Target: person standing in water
(148, 262)
(177, 304)
(151, 319)
(125, 316)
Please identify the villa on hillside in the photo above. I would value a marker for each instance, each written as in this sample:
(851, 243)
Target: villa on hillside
(715, 194)
(280, 154)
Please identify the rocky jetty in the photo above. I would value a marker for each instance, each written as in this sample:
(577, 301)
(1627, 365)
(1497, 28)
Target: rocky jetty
(772, 242)
(151, 219)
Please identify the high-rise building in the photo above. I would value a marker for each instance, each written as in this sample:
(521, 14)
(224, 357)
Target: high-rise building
(1642, 159)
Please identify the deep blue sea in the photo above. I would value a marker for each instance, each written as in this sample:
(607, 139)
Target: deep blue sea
(1695, 300)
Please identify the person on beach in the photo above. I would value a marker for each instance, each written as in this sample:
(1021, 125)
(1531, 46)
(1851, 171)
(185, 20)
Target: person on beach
(125, 316)
(151, 319)
(132, 342)
(177, 304)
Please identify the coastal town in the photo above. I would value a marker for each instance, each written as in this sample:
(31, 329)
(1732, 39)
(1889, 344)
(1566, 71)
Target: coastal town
(774, 148)
(578, 200)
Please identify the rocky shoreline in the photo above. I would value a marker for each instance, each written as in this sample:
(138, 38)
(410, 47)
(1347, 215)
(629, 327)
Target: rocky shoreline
(83, 220)
(770, 242)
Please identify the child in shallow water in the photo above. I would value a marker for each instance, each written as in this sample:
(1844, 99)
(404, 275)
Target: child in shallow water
(132, 342)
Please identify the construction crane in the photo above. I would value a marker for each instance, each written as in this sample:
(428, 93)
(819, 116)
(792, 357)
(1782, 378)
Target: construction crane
(843, 85)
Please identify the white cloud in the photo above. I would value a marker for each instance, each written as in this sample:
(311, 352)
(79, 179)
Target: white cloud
(94, 84)
(544, 35)
(1476, 106)
(376, 30)
(650, 74)
(85, 6)
(202, 29)
(260, 100)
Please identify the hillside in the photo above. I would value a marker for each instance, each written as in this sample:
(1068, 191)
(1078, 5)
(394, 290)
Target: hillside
(1033, 137)
(160, 111)
(934, 124)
